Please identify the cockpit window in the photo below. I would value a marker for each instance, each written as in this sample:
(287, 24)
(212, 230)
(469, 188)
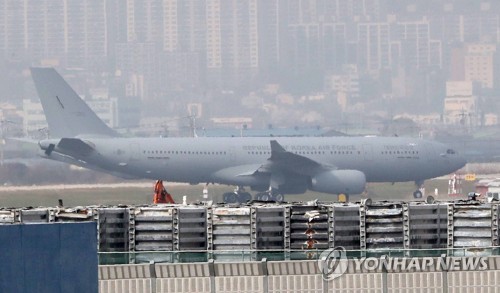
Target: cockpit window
(450, 152)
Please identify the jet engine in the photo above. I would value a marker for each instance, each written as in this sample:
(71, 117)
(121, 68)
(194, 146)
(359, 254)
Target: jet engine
(339, 181)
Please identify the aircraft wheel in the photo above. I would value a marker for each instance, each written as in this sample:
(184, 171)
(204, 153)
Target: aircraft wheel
(229, 197)
(263, 196)
(278, 197)
(244, 197)
(417, 194)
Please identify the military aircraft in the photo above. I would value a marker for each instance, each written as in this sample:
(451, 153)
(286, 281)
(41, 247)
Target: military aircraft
(272, 166)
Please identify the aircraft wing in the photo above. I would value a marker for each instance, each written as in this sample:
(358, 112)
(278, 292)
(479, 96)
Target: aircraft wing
(282, 160)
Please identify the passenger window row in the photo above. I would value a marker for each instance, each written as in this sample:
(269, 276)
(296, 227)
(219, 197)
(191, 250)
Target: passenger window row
(161, 152)
(310, 153)
(400, 153)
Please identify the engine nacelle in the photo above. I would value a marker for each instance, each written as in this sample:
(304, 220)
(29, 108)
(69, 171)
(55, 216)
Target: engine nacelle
(339, 181)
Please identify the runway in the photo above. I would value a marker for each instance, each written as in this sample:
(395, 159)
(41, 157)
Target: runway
(141, 192)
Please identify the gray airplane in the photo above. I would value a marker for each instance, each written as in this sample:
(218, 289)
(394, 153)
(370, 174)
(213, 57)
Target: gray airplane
(271, 166)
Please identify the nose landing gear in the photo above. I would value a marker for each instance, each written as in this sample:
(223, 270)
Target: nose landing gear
(420, 190)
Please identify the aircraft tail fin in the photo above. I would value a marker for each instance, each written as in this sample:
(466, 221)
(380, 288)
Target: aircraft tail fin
(66, 113)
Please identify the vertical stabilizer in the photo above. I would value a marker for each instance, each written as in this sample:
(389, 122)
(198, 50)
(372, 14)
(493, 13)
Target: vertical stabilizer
(66, 113)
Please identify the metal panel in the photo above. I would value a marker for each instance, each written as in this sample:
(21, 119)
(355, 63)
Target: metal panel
(35, 216)
(472, 225)
(182, 270)
(239, 269)
(78, 256)
(153, 229)
(78, 214)
(113, 229)
(473, 281)
(11, 259)
(269, 227)
(428, 225)
(239, 284)
(293, 268)
(111, 272)
(412, 282)
(48, 258)
(231, 228)
(296, 284)
(384, 226)
(309, 227)
(346, 226)
(357, 283)
(41, 246)
(191, 230)
(125, 285)
(495, 237)
(8, 216)
(183, 285)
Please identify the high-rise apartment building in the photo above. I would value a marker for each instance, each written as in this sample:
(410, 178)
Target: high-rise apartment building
(306, 11)
(232, 40)
(46, 36)
(184, 41)
(86, 35)
(72, 32)
(184, 26)
(417, 48)
(304, 47)
(479, 64)
(373, 46)
(13, 37)
(334, 46)
(272, 34)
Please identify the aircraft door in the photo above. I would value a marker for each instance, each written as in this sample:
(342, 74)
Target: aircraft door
(368, 152)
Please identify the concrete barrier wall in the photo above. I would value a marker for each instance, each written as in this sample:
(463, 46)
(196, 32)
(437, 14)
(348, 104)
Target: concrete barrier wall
(289, 276)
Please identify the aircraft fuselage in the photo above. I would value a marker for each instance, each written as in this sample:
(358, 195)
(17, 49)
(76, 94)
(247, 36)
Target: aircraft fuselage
(203, 160)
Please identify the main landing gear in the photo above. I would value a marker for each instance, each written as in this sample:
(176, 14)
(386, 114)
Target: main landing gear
(270, 195)
(238, 195)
